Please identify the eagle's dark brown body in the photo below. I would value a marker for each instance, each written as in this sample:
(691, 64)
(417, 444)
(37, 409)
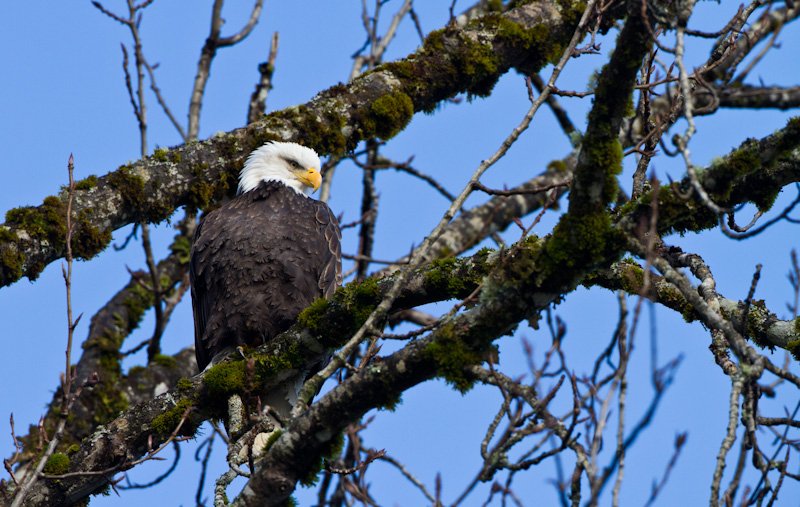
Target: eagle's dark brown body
(256, 263)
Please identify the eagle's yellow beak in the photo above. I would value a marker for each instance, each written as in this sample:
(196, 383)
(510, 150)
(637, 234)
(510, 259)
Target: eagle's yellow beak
(311, 178)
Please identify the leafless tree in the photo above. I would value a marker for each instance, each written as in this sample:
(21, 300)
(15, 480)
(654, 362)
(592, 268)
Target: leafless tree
(644, 104)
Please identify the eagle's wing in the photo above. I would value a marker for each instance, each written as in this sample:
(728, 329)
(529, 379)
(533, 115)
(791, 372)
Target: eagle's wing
(200, 301)
(330, 277)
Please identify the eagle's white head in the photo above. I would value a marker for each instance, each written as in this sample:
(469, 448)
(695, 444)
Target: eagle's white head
(293, 165)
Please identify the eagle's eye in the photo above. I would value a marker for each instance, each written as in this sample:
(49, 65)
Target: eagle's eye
(294, 164)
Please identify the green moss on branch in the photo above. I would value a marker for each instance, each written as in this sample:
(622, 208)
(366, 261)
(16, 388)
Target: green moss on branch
(57, 464)
(452, 355)
(165, 424)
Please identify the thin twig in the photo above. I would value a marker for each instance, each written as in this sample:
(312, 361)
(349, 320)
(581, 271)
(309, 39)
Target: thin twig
(160, 478)
(657, 488)
(528, 191)
(67, 397)
(758, 230)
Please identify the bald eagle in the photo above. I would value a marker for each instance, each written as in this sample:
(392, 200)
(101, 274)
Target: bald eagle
(260, 259)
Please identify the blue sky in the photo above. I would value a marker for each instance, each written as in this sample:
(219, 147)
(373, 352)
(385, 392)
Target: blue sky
(62, 92)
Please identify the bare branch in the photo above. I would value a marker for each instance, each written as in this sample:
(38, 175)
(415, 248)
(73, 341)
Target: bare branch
(258, 100)
(209, 51)
(244, 32)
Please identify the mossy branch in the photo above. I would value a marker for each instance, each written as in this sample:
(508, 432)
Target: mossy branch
(378, 103)
(754, 172)
(600, 159)
(448, 351)
(763, 327)
(583, 238)
(101, 353)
